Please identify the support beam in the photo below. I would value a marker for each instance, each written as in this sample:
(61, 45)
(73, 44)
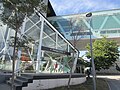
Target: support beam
(49, 35)
(38, 63)
(5, 37)
(116, 19)
(46, 34)
(68, 48)
(23, 25)
(49, 24)
(56, 44)
(75, 63)
(104, 22)
(43, 31)
(34, 24)
(87, 24)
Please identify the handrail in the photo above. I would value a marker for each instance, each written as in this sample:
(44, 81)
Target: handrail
(23, 68)
(57, 62)
(1, 51)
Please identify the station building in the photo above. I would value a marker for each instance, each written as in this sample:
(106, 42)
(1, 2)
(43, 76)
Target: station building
(40, 46)
(76, 28)
(50, 38)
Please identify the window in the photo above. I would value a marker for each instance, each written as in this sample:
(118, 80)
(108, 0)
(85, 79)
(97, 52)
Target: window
(103, 32)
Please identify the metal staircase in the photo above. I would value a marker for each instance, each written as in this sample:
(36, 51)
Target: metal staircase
(22, 79)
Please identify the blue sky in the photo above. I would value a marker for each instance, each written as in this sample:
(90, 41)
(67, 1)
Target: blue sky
(65, 7)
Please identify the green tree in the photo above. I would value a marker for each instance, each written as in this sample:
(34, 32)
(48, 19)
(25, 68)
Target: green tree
(14, 13)
(105, 53)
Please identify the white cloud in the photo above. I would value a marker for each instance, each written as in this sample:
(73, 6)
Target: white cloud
(63, 7)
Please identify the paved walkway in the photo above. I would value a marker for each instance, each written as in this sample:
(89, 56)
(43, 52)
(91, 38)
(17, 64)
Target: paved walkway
(4, 76)
(114, 84)
(113, 81)
(4, 86)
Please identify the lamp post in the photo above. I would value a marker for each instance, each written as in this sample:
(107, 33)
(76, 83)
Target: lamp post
(89, 15)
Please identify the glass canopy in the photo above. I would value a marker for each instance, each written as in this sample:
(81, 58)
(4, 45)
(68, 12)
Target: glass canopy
(102, 23)
(39, 44)
(77, 27)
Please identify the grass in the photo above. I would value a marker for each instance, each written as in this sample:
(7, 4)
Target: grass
(88, 85)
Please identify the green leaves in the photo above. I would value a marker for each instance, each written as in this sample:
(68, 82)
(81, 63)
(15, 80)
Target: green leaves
(105, 53)
(16, 10)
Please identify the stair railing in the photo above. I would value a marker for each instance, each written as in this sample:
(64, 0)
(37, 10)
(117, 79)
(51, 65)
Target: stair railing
(18, 71)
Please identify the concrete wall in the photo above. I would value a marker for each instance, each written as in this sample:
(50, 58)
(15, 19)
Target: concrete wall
(52, 83)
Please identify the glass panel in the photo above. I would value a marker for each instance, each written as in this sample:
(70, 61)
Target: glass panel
(71, 49)
(34, 33)
(48, 42)
(28, 25)
(48, 30)
(35, 18)
(55, 24)
(49, 37)
(118, 31)
(39, 25)
(103, 32)
(62, 45)
(112, 31)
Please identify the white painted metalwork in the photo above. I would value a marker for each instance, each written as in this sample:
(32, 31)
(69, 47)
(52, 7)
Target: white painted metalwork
(104, 22)
(55, 29)
(23, 25)
(39, 48)
(75, 63)
(116, 19)
(56, 44)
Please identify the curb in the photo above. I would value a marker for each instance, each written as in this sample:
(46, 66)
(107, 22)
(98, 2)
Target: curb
(108, 84)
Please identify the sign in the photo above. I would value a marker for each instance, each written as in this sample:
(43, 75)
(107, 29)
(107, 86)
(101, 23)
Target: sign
(55, 50)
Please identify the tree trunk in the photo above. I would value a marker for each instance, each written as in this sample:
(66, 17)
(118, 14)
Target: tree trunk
(13, 63)
(14, 51)
(69, 78)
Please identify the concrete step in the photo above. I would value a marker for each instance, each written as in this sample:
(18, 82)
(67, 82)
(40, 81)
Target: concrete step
(17, 86)
(27, 75)
(23, 83)
(28, 79)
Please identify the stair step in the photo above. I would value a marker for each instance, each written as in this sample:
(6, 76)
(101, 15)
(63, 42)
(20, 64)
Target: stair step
(22, 78)
(27, 75)
(28, 79)
(19, 82)
(15, 83)
(17, 86)
(23, 83)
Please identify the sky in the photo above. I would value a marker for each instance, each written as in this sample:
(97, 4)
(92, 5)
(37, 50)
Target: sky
(66, 7)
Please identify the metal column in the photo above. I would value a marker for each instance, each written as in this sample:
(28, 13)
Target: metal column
(75, 62)
(38, 63)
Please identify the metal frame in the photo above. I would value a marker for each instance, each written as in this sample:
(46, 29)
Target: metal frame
(40, 15)
(104, 21)
(39, 48)
(44, 21)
